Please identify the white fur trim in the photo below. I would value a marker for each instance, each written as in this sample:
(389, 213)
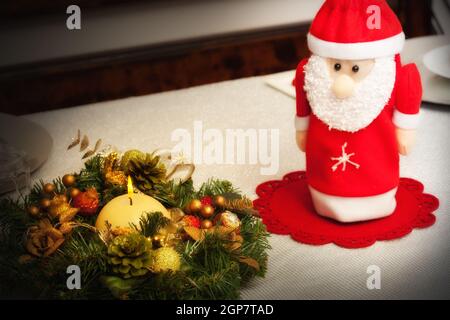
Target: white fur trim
(406, 121)
(358, 111)
(357, 51)
(354, 209)
(302, 123)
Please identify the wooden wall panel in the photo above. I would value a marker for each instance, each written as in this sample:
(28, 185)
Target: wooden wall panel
(58, 87)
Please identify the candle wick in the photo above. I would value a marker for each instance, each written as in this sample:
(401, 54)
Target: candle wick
(131, 201)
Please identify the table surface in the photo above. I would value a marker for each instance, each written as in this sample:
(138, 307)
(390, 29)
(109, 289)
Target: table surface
(416, 266)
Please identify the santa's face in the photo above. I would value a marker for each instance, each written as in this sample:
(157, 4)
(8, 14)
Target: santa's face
(348, 95)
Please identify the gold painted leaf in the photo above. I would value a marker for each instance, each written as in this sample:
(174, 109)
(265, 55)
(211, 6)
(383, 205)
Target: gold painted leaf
(75, 141)
(55, 234)
(84, 143)
(88, 154)
(97, 145)
(68, 215)
(250, 262)
(195, 233)
(54, 247)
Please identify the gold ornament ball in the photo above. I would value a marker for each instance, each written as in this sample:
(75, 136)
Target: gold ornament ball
(207, 211)
(33, 211)
(45, 203)
(219, 201)
(195, 206)
(49, 188)
(229, 219)
(207, 224)
(74, 192)
(68, 180)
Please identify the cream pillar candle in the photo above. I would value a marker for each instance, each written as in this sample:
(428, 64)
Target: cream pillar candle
(127, 209)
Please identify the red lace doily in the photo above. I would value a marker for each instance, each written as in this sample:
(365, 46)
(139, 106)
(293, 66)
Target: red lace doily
(286, 208)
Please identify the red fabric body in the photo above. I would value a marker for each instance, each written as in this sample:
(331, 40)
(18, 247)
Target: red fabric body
(345, 21)
(376, 152)
(287, 209)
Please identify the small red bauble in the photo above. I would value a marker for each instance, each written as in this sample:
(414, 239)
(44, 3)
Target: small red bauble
(87, 202)
(206, 201)
(191, 221)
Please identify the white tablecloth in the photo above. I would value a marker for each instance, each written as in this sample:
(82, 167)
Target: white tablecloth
(416, 266)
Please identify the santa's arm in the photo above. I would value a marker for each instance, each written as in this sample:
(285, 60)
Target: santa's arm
(303, 108)
(407, 113)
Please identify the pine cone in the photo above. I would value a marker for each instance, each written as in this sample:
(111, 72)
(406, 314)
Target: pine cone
(146, 173)
(130, 255)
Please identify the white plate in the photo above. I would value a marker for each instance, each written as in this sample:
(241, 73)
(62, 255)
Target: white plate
(438, 61)
(26, 136)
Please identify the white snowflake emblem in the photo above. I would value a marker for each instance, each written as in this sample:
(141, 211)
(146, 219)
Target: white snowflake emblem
(343, 160)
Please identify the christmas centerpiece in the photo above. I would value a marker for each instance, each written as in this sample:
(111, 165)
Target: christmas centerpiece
(133, 232)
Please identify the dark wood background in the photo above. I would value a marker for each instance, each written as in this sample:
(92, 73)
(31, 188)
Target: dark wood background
(60, 84)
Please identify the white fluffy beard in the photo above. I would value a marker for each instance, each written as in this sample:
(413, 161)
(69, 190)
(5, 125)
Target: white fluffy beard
(358, 111)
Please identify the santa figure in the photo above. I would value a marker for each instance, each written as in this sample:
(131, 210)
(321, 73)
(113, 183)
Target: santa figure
(357, 109)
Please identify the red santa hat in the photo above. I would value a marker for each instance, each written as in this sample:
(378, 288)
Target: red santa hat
(356, 30)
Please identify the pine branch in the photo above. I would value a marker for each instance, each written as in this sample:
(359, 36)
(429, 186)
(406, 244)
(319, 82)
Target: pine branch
(111, 192)
(222, 284)
(150, 223)
(193, 284)
(14, 221)
(37, 191)
(255, 246)
(216, 187)
(91, 175)
(175, 194)
(86, 250)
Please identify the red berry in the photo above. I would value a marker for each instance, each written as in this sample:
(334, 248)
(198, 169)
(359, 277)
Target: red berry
(191, 221)
(87, 202)
(206, 201)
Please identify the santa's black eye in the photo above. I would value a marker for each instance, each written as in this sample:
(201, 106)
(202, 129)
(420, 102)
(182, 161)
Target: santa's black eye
(355, 69)
(337, 67)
